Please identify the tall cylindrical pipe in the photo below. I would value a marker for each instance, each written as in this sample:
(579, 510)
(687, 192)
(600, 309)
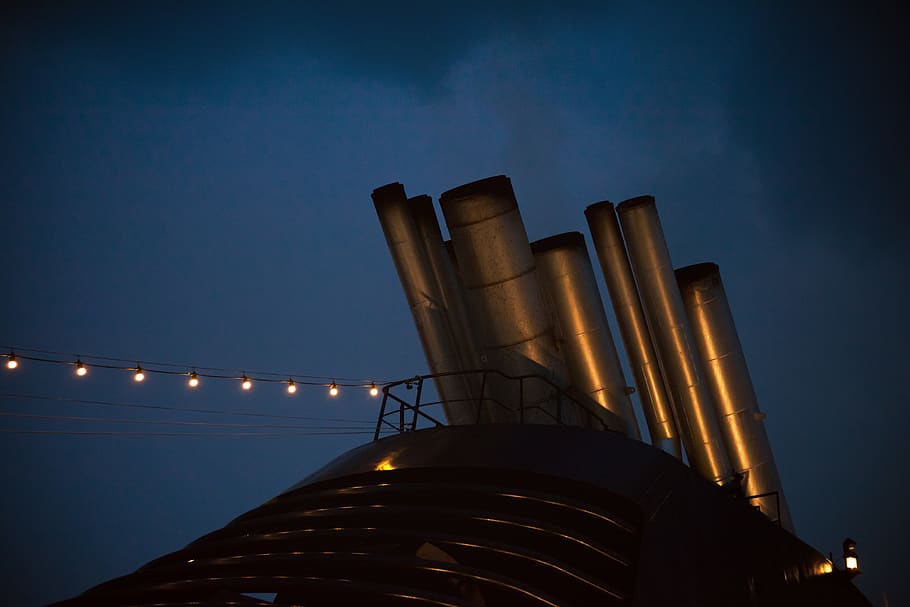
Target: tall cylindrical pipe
(424, 300)
(614, 262)
(666, 316)
(731, 386)
(443, 264)
(565, 273)
(447, 281)
(499, 276)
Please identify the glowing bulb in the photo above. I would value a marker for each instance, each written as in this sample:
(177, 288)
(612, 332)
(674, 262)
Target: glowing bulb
(292, 387)
(139, 375)
(81, 370)
(333, 390)
(11, 362)
(194, 380)
(374, 391)
(852, 563)
(246, 383)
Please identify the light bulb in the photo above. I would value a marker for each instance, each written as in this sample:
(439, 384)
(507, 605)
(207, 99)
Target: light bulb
(139, 375)
(374, 391)
(81, 370)
(292, 387)
(11, 362)
(333, 390)
(194, 380)
(246, 383)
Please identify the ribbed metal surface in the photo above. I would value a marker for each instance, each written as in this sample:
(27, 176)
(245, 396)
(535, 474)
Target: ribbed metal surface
(498, 273)
(633, 327)
(725, 367)
(567, 278)
(456, 536)
(424, 299)
(667, 320)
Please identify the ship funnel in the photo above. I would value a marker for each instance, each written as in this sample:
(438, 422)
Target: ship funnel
(565, 273)
(498, 274)
(614, 262)
(666, 317)
(425, 300)
(731, 386)
(441, 262)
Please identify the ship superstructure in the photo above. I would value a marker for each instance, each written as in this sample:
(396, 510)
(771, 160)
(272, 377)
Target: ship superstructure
(515, 472)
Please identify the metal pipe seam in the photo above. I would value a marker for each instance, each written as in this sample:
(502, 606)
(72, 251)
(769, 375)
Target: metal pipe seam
(667, 319)
(633, 328)
(498, 273)
(567, 278)
(727, 372)
(424, 299)
(442, 266)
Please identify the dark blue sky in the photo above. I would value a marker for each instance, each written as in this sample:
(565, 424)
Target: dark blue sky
(192, 184)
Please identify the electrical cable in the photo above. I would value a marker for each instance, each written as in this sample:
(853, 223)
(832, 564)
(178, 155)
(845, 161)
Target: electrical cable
(110, 420)
(179, 434)
(106, 403)
(235, 373)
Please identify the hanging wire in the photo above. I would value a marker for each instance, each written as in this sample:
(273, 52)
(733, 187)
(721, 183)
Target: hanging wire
(105, 403)
(121, 420)
(180, 434)
(131, 364)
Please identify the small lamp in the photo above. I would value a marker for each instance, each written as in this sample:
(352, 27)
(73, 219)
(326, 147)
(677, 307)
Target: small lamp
(851, 561)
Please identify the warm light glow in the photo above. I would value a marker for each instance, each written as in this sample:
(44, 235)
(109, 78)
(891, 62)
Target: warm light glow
(12, 363)
(246, 383)
(333, 390)
(194, 380)
(81, 371)
(139, 375)
(374, 391)
(292, 387)
(385, 464)
(851, 563)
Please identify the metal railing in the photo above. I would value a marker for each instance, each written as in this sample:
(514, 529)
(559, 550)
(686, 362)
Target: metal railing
(408, 413)
(776, 495)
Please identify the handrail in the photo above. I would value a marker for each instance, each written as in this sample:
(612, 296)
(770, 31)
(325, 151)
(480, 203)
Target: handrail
(417, 412)
(776, 495)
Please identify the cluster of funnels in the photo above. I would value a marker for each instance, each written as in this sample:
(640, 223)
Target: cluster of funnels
(491, 299)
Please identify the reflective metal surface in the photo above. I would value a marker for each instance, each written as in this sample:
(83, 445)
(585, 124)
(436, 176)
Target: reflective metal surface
(448, 286)
(499, 276)
(731, 386)
(633, 327)
(567, 278)
(666, 316)
(424, 299)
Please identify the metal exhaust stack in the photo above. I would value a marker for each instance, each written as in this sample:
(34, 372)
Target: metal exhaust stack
(447, 281)
(565, 273)
(499, 277)
(424, 299)
(632, 327)
(666, 316)
(731, 386)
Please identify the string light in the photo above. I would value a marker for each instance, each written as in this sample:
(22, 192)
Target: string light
(143, 367)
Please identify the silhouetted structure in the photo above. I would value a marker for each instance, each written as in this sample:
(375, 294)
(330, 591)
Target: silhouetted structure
(537, 488)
